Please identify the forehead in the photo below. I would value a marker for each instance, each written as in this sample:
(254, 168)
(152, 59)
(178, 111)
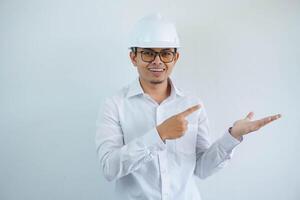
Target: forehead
(157, 49)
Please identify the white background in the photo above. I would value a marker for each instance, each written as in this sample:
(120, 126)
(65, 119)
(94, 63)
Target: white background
(60, 58)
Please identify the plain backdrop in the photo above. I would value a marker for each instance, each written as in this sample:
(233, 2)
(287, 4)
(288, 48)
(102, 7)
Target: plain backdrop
(59, 59)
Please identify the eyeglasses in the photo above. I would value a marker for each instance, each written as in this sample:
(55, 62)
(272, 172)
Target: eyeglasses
(165, 56)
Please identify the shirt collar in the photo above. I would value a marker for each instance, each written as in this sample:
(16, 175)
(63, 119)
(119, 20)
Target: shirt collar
(135, 89)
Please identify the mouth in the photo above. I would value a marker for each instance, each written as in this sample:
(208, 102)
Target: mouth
(157, 71)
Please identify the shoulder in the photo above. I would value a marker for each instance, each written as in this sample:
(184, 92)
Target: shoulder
(118, 97)
(192, 98)
(186, 95)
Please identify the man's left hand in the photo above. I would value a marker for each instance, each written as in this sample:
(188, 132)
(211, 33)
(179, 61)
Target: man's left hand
(245, 126)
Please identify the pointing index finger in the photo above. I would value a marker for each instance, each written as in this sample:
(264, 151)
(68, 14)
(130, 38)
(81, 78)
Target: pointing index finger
(190, 110)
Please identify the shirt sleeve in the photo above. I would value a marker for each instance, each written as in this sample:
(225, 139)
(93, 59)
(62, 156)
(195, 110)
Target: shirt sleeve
(116, 158)
(212, 157)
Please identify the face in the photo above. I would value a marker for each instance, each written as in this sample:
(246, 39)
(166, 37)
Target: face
(156, 71)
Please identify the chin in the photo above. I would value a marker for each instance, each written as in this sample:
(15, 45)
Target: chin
(157, 81)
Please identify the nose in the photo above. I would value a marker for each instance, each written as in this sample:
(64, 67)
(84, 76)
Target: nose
(157, 60)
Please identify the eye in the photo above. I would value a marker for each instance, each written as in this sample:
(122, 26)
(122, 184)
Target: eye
(149, 53)
(167, 54)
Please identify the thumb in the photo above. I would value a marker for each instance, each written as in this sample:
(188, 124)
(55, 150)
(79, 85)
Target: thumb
(250, 115)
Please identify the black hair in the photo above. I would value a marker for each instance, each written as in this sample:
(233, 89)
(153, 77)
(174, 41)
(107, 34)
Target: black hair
(134, 49)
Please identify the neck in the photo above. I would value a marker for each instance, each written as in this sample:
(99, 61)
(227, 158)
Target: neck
(158, 92)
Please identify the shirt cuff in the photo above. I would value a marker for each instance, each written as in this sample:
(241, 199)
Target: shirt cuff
(153, 141)
(228, 142)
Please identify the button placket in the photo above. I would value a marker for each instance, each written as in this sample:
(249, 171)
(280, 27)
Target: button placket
(164, 174)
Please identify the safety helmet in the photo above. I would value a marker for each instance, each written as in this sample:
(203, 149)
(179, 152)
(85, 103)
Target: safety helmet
(153, 31)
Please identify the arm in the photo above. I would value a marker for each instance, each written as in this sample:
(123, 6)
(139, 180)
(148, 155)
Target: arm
(116, 158)
(212, 157)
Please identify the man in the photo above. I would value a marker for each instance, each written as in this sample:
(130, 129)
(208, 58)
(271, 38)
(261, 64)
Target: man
(153, 138)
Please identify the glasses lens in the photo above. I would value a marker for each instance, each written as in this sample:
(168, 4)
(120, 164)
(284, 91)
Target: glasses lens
(148, 56)
(167, 56)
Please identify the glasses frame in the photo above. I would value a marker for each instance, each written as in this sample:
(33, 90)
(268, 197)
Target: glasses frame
(159, 55)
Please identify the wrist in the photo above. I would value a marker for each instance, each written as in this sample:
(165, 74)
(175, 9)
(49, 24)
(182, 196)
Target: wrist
(234, 134)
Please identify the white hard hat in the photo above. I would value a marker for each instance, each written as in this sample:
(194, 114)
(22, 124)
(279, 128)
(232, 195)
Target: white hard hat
(153, 31)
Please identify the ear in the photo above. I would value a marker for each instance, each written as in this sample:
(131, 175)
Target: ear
(176, 57)
(132, 56)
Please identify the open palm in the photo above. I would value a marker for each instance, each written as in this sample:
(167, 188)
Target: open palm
(246, 125)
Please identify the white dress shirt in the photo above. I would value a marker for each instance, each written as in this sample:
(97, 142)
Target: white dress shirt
(144, 167)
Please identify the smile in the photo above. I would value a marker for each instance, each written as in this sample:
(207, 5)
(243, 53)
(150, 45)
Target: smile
(157, 69)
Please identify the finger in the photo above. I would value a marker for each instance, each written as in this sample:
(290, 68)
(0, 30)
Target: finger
(250, 115)
(190, 110)
(264, 121)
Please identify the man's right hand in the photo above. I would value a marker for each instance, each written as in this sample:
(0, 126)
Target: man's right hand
(175, 126)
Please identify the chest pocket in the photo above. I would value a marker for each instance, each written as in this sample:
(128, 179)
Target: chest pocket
(187, 143)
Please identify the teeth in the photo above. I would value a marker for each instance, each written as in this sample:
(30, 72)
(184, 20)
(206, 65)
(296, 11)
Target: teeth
(156, 70)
